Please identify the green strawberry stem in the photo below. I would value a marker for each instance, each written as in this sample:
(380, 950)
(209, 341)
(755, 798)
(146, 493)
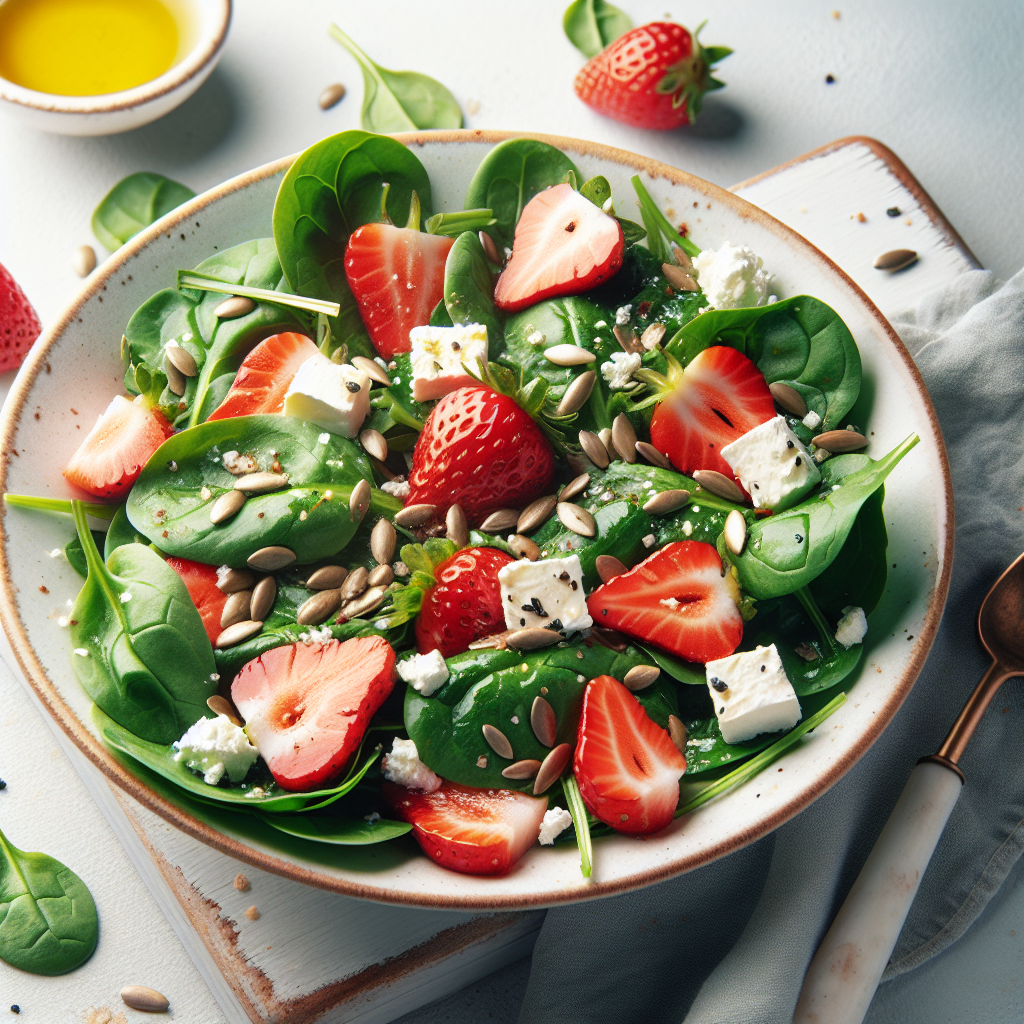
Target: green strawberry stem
(208, 283)
(653, 217)
(578, 810)
(92, 508)
(413, 223)
(453, 224)
(806, 598)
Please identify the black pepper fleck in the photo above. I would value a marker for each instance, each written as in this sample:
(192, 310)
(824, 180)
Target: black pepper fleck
(763, 667)
(719, 684)
(798, 461)
(799, 538)
(830, 79)
(353, 387)
(893, 211)
(3, 785)
(789, 444)
(575, 586)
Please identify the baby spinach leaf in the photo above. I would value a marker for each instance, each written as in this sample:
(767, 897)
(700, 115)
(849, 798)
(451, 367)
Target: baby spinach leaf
(310, 516)
(510, 176)
(707, 750)
(48, 920)
(327, 828)
(469, 288)
(397, 399)
(400, 101)
(75, 553)
(121, 532)
(140, 648)
(592, 24)
(133, 204)
(599, 192)
(681, 671)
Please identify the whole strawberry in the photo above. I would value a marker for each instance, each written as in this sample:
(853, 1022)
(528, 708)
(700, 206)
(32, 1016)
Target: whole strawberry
(654, 76)
(19, 325)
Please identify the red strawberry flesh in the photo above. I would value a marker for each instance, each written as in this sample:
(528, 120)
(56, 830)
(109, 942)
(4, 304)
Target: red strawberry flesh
(19, 325)
(201, 583)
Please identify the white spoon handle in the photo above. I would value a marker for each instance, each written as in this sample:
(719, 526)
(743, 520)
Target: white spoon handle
(845, 972)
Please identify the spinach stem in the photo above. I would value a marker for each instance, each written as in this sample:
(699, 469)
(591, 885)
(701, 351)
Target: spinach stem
(462, 220)
(653, 216)
(207, 283)
(806, 598)
(578, 810)
(92, 508)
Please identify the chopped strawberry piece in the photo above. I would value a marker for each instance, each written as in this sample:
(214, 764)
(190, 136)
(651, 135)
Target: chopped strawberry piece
(307, 707)
(721, 396)
(627, 766)
(564, 245)
(200, 581)
(475, 831)
(19, 325)
(112, 455)
(678, 599)
(397, 278)
(263, 378)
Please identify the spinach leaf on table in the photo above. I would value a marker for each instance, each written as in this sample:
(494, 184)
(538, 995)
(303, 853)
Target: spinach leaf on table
(591, 25)
(469, 288)
(140, 648)
(48, 920)
(133, 204)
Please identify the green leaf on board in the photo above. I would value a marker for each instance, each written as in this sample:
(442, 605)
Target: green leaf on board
(592, 24)
(134, 203)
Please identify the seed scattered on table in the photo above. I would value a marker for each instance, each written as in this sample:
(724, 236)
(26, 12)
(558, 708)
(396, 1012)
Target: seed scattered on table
(141, 997)
(331, 96)
(83, 260)
(895, 260)
(252, 913)
(242, 883)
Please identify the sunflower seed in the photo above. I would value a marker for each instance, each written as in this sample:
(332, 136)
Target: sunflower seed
(181, 359)
(627, 339)
(521, 769)
(267, 559)
(501, 521)
(372, 369)
(576, 393)
(382, 541)
(639, 677)
(139, 997)
(568, 355)
(237, 608)
(895, 260)
(531, 638)
(677, 731)
(837, 441)
(551, 768)
(359, 500)
(373, 598)
(491, 250)
(176, 380)
(494, 641)
(682, 259)
(381, 576)
(574, 487)
(374, 443)
(237, 633)
(608, 567)
(624, 438)
(524, 548)
(222, 706)
(577, 519)
(679, 278)
(456, 527)
(788, 399)
(652, 455)
(652, 336)
(355, 584)
(605, 437)
(536, 514)
(261, 483)
(331, 95)
(543, 721)
(415, 515)
(719, 484)
(735, 531)
(264, 594)
(330, 577)
(236, 306)
(318, 608)
(83, 260)
(667, 501)
(594, 449)
(498, 742)
(229, 580)
(226, 506)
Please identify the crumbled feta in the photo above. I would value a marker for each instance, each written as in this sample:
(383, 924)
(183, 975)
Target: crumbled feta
(403, 765)
(323, 635)
(752, 694)
(812, 420)
(853, 626)
(649, 540)
(622, 314)
(396, 488)
(555, 822)
(81, 652)
(619, 370)
(335, 396)
(401, 569)
(772, 464)
(126, 596)
(732, 277)
(56, 553)
(601, 323)
(324, 437)
(440, 355)
(425, 673)
(687, 528)
(239, 465)
(536, 338)
(548, 592)
(216, 747)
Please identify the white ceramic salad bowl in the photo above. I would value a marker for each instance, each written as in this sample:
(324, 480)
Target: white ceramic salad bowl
(75, 369)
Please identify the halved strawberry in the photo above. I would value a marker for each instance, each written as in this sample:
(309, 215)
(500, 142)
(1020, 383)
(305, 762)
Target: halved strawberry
(475, 831)
(720, 395)
(111, 456)
(264, 376)
(19, 325)
(307, 707)
(627, 766)
(201, 583)
(678, 599)
(397, 277)
(564, 245)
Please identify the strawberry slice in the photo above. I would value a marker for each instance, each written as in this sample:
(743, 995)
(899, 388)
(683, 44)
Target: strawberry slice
(263, 378)
(201, 583)
(627, 766)
(111, 456)
(678, 599)
(475, 831)
(397, 277)
(19, 325)
(307, 707)
(564, 245)
(720, 395)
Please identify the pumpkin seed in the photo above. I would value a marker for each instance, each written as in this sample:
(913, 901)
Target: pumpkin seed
(272, 557)
(677, 732)
(543, 722)
(415, 515)
(719, 484)
(381, 576)
(373, 598)
(318, 608)
(551, 768)
(897, 259)
(226, 506)
(608, 567)
(491, 250)
(456, 527)
(237, 633)
(331, 577)
(531, 638)
(374, 443)
(568, 355)
(627, 339)
(594, 449)
(372, 369)
(652, 455)
(525, 769)
(577, 393)
(574, 487)
(83, 260)
(359, 500)
(667, 501)
(236, 608)
(524, 548)
(501, 521)
(735, 531)
(229, 580)
(624, 438)
(264, 594)
(788, 399)
(498, 742)
(838, 441)
(261, 483)
(639, 677)
(331, 95)
(222, 706)
(536, 514)
(382, 541)
(577, 519)
(139, 997)
(236, 306)
(678, 278)
(357, 582)
(175, 378)
(652, 336)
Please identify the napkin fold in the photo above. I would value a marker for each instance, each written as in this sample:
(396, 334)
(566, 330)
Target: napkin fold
(731, 942)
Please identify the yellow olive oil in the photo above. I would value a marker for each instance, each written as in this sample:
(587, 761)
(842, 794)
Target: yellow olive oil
(85, 47)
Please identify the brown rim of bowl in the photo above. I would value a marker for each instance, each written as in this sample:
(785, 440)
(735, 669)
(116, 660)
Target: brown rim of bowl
(194, 63)
(101, 757)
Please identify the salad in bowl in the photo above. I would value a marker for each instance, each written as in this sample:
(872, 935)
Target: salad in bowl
(522, 523)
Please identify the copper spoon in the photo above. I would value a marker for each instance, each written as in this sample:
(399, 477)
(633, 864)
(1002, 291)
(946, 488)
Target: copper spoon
(842, 978)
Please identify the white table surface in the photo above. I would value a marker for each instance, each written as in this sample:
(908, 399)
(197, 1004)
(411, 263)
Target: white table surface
(938, 85)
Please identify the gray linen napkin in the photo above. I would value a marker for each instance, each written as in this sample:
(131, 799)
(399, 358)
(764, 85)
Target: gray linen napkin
(731, 942)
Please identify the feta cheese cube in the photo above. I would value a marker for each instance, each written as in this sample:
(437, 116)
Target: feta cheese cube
(425, 673)
(335, 396)
(556, 821)
(853, 626)
(215, 747)
(548, 592)
(732, 277)
(772, 464)
(438, 355)
(403, 766)
(752, 694)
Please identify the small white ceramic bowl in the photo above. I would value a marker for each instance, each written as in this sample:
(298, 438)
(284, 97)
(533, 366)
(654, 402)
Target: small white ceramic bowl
(204, 28)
